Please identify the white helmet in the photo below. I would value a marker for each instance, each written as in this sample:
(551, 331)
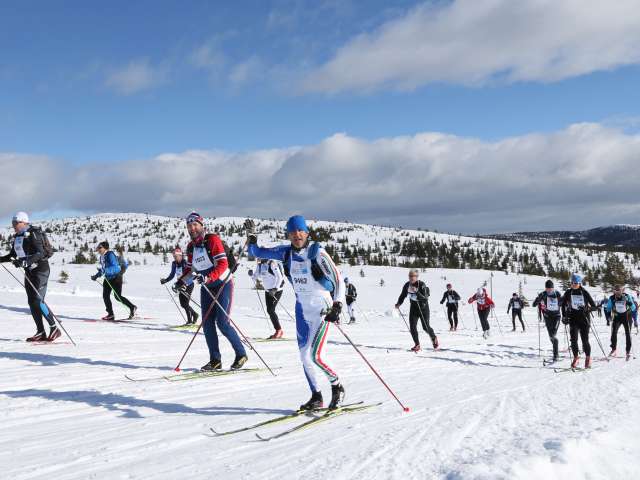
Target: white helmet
(20, 217)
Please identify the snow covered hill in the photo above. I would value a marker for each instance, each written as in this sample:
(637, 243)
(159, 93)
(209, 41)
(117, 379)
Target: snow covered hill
(144, 239)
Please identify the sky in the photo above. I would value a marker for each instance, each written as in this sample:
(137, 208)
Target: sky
(462, 115)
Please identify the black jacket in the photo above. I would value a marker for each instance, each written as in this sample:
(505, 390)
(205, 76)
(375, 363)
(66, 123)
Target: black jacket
(421, 293)
(542, 299)
(33, 246)
(580, 312)
(352, 294)
(453, 294)
(512, 301)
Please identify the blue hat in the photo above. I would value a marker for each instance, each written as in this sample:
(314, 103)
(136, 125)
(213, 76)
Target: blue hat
(297, 223)
(576, 278)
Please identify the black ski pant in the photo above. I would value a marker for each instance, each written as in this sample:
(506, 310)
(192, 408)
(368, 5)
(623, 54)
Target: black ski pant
(420, 312)
(272, 299)
(617, 321)
(452, 314)
(579, 326)
(114, 284)
(185, 297)
(483, 315)
(39, 278)
(516, 313)
(552, 322)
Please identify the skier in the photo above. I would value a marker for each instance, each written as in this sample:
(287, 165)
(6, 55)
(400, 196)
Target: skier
(351, 296)
(270, 274)
(319, 292)
(208, 264)
(30, 251)
(382, 282)
(607, 312)
(621, 305)
(515, 305)
(362, 273)
(485, 304)
(549, 302)
(452, 298)
(178, 266)
(112, 271)
(576, 304)
(418, 294)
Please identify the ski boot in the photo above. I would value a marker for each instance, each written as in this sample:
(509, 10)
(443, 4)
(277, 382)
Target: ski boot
(276, 335)
(352, 320)
(53, 334)
(109, 317)
(435, 343)
(212, 366)
(514, 329)
(194, 318)
(132, 312)
(38, 337)
(415, 348)
(239, 362)
(574, 363)
(613, 353)
(314, 403)
(628, 357)
(337, 396)
(587, 362)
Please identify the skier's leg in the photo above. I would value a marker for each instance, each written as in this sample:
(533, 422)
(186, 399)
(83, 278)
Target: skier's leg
(450, 315)
(584, 336)
(574, 331)
(34, 304)
(271, 302)
(521, 321)
(320, 330)
(614, 332)
(116, 283)
(106, 297)
(484, 319)
(454, 309)
(222, 311)
(184, 302)
(304, 345)
(552, 329)
(426, 326)
(209, 326)
(413, 324)
(627, 334)
(513, 319)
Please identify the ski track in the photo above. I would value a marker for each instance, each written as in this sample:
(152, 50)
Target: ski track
(479, 409)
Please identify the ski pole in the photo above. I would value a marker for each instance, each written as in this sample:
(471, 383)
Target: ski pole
(493, 310)
(404, 320)
(42, 302)
(115, 295)
(446, 317)
(176, 304)
(404, 408)
(206, 315)
(473, 312)
(595, 334)
(235, 325)
(281, 305)
(566, 337)
(362, 312)
(539, 340)
(460, 316)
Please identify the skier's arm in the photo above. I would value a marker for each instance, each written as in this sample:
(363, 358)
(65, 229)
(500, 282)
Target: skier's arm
(472, 299)
(444, 297)
(509, 306)
(456, 296)
(172, 273)
(219, 257)
(403, 294)
(331, 272)
(38, 245)
(589, 299)
(273, 253)
(111, 265)
(278, 275)
(537, 300)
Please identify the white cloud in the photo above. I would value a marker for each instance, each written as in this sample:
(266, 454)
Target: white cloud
(136, 76)
(582, 176)
(473, 42)
(245, 71)
(207, 56)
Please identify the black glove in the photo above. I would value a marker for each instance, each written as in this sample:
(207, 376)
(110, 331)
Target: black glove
(250, 227)
(163, 281)
(199, 278)
(20, 263)
(333, 315)
(250, 272)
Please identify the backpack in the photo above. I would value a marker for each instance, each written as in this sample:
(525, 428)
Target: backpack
(46, 244)
(316, 271)
(124, 264)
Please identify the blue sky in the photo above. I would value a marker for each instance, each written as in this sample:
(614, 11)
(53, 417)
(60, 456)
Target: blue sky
(88, 84)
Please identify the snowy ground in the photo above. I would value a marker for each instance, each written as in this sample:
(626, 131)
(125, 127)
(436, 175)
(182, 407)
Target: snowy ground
(480, 409)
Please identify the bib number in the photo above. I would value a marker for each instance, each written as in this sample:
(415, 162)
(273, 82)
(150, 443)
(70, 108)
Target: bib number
(552, 304)
(201, 261)
(19, 247)
(577, 302)
(621, 306)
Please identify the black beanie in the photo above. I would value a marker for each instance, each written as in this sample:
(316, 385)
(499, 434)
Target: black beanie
(548, 284)
(104, 245)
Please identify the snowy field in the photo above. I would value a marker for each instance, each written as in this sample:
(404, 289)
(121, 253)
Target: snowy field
(479, 409)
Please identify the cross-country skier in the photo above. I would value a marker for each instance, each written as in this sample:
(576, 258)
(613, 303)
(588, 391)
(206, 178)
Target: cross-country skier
(271, 276)
(485, 304)
(207, 263)
(621, 305)
(515, 305)
(319, 293)
(550, 303)
(178, 266)
(351, 297)
(607, 313)
(452, 298)
(418, 294)
(112, 271)
(28, 252)
(576, 304)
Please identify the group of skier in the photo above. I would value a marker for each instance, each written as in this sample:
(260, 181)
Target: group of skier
(319, 290)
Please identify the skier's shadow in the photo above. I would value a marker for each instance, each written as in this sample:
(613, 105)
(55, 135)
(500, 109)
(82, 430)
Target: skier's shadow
(52, 360)
(375, 347)
(128, 406)
(27, 311)
(473, 363)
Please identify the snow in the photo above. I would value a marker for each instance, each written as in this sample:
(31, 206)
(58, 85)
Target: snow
(479, 409)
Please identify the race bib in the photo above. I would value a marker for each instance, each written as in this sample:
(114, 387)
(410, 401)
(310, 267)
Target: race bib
(452, 300)
(480, 300)
(621, 306)
(200, 260)
(577, 302)
(18, 247)
(178, 272)
(552, 304)
(516, 305)
(301, 278)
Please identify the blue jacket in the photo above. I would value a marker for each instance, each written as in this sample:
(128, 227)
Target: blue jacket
(109, 265)
(631, 306)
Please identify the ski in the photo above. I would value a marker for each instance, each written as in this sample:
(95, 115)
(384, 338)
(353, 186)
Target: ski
(262, 340)
(191, 375)
(50, 343)
(328, 415)
(186, 326)
(569, 369)
(280, 419)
